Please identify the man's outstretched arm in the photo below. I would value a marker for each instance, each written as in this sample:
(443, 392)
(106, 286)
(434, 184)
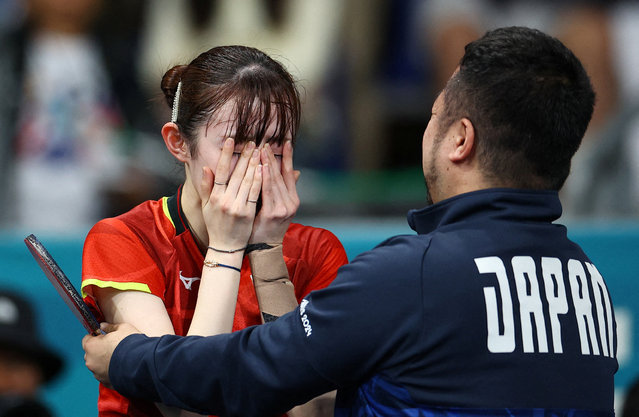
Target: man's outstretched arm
(338, 336)
(217, 375)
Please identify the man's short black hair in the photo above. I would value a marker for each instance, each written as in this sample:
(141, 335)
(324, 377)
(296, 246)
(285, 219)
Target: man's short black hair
(530, 102)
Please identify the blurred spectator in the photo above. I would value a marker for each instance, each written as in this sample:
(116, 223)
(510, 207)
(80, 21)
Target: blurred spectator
(385, 80)
(26, 364)
(604, 179)
(74, 116)
(448, 25)
(11, 11)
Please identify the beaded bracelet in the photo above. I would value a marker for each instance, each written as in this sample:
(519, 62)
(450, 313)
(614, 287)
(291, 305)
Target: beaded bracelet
(227, 251)
(213, 264)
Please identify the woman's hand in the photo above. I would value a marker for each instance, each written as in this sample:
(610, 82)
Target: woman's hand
(229, 199)
(279, 196)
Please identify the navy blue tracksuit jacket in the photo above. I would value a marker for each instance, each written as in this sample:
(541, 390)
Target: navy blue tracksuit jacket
(489, 310)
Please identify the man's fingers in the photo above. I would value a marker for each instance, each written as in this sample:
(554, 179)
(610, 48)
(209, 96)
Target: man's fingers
(297, 174)
(85, 340)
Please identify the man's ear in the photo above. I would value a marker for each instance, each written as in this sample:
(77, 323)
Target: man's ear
(175, 142)
(464, 144)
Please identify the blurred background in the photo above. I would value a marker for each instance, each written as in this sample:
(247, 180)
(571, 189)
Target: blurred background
(81, 111)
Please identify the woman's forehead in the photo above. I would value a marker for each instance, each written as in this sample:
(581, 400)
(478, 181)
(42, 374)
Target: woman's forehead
(223, 122)
(224, 117)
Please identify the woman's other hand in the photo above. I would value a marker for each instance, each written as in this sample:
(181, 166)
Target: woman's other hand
(279, 196)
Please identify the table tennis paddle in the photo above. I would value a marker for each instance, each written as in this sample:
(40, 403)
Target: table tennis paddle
(62, 284)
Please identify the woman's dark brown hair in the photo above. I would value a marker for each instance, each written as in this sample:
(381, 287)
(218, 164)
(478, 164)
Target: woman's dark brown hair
(260, 88)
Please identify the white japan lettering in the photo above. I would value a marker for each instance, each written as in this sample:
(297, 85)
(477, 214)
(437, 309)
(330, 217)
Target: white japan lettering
(583, 306)
(556, 297)
(537, 309)
(602, 301)
(498, 342)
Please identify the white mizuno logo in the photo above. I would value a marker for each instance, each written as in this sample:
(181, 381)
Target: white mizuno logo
(188, 281)
(305, 321)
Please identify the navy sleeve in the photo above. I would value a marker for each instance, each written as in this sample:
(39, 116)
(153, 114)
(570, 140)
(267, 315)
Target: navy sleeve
(336, 338)
(369, 319)
(254, 372)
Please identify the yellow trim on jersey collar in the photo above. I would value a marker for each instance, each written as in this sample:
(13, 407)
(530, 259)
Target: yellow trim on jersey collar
(172, 208)
(165, 209)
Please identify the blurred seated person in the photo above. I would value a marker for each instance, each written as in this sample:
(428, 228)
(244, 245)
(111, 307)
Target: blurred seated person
(604, 178)
(26, 364)
(73, 113)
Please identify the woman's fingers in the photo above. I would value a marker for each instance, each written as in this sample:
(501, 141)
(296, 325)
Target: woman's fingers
(272, 179)
(222, 171)
(288, 173)
(285, 177)
(241, 186)
(267, 187)
(239, 172)
(279, 199)
(228, 214)
(279, 204)
(256, 187)
(206, 185)
(247, 183)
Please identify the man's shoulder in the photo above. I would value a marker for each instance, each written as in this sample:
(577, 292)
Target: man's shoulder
(404, 245)
(401, 255)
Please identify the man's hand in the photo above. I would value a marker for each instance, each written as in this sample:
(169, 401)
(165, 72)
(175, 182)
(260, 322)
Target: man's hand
(99, 349)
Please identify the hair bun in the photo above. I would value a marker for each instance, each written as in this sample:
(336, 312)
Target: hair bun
(170, 82)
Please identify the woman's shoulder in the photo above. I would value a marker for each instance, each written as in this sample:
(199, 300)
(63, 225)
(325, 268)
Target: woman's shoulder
(146, 217)
(315, 244)
(309, 234)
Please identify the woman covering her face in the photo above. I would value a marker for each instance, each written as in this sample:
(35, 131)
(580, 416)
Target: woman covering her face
(221, 254)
